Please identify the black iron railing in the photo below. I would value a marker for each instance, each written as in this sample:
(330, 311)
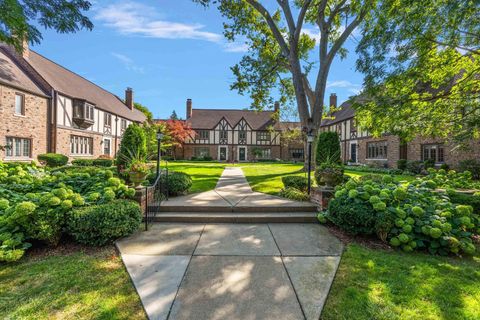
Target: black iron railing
(154, 195)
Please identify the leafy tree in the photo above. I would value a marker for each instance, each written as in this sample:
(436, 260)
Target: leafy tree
(177, 132)
(328, 148)
(174, 116)
(144, 110)
(421, 60)
(19, 19)
(279, 48)
(133, 142)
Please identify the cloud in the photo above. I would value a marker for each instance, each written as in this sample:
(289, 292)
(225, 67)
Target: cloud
(351, 87)
(133, 18)
(235, 47)
(128, 63)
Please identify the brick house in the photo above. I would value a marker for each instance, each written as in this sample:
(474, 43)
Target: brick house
(359, 147)
(45, 107)
(239, 135)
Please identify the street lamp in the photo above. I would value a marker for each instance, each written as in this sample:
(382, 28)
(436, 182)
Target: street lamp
(310, 138)
(159, 157)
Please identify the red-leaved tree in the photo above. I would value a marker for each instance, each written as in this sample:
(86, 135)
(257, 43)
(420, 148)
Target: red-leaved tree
(179, 132)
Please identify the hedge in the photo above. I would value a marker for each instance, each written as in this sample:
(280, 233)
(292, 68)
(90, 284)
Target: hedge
(53, 159)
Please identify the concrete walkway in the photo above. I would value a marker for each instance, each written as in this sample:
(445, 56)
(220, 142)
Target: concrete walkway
(232, 271)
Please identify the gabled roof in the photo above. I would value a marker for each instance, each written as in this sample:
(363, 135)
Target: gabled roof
(344, 112)
(75, 86)
(12, 75)
(209, 118)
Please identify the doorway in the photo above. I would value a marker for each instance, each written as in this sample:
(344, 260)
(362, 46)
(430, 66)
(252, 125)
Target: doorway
(353, 152)
(222, 153)
(242, 154)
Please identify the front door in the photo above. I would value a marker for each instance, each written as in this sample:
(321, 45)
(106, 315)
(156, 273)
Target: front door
(222, 153)
(242, 154)
(353, 152)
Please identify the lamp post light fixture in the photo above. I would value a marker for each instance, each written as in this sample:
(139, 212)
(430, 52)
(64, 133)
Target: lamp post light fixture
(310, 138)
(159, 157)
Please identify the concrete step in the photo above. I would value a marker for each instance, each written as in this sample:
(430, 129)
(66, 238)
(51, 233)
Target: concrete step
(246, 217)
(239, 209)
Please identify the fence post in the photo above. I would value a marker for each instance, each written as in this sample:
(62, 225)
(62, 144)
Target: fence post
(146, 208)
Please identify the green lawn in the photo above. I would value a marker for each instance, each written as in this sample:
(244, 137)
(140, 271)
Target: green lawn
(399, 177)
(79, 285)
(204, 174)
(376, 284)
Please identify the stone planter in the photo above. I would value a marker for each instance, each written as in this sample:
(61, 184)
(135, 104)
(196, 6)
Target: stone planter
(321, 196)
(137, 177)
(329, 177)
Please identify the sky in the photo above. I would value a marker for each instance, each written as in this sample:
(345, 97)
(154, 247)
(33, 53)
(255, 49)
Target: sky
(168, 51)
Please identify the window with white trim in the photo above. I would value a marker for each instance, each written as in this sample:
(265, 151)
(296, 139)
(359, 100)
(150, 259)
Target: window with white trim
(263, 136)
(123, 125)
(377, 150)
(223, 134)
(107, 120)
(107, 149)
(203, 134)
(433, 152)
(18, 147)
(81, 145)
(201, 152)
(265, 154)
(19, 104)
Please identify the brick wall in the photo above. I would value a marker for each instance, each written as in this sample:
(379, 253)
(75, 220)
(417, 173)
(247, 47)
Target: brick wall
(63, 142)
(393, 151)
(32, 126)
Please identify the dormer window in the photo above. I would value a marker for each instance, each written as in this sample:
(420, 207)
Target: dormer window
(83, 113)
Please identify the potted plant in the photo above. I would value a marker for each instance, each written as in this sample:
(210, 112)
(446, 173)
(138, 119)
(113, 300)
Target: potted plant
(329, 174)
(138, 171)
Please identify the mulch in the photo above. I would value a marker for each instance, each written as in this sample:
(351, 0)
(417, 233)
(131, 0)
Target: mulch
(371, 242)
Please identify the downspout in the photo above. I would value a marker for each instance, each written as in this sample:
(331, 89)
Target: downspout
(54, 124)
(116, 134)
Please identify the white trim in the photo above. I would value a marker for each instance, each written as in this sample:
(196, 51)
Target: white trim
(218, 152)
(246, 153)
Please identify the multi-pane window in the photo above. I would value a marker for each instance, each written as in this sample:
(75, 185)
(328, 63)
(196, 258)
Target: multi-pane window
(18, 147)
(123, 125)
(81, 145)
(107, 120)
(201, 152)
(265, 154)
(19, 104)
(263, 136)
(203, 134)
(89, 112)
(377, 150)
(106, 146)
(296, 153)
(242, 134)
(223, 134)
(433, 152)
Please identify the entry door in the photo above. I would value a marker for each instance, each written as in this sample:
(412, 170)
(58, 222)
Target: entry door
(241, 154)
(353, 152)
(222, 153)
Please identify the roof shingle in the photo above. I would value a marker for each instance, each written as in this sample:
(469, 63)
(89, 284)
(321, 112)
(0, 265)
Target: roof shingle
(209, 118)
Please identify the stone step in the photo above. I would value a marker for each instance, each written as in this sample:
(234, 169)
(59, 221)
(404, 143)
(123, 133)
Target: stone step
(239, 209)
(246, 217)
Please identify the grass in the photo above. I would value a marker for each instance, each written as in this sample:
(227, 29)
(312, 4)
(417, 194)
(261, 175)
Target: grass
(376, 284)
(398, 177)
(78, 285)
(204, 174)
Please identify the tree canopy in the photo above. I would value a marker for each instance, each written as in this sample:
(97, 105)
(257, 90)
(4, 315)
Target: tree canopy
(19, 19)
(144, 110)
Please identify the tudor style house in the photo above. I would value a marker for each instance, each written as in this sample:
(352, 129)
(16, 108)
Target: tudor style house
(239, 136)
(359, 147)
(45, 107)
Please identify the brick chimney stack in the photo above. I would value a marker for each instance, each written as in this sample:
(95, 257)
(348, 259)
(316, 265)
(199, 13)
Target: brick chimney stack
(189, 108)
(26, 49)
(129, 98)
(277, 106)
(333, 100)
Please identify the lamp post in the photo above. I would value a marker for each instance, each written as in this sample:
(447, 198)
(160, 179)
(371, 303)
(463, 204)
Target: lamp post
(310, 138)
(159, 157)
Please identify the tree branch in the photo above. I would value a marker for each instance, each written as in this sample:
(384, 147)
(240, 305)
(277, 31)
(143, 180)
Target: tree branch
(301, 19)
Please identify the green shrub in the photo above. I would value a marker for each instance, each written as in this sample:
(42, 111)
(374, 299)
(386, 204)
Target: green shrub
(465, 199)
(178, 182)
(53, 159)
(102, 224)
(378, 178)
(448, 179)
(402, 164)
(471, 165)
(429, 163)
(133, 142)
(103, 162)
(415, 167)
(82, 162)
(294, 194)
(297, 182)
(328, 147)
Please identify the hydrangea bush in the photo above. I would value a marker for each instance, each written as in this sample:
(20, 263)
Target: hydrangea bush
(410, 217)
(448, 179)
(34, 203)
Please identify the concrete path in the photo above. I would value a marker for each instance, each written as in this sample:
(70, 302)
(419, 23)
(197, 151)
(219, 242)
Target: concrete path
(232, 271)
(233, 192)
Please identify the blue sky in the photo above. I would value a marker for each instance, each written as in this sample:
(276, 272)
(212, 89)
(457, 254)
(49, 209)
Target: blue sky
(167, 51)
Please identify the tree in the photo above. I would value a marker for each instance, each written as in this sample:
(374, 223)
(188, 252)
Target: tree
(174, 116)
(328, 148)
(177, 132)
(279, 48)
(133, 143)
(421, 62)
(19, 19)
(144, 110)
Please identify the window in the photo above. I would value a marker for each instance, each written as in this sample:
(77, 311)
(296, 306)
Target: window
(123, 125)
(263, 136)
(203, 134)
(106, 147)
(265, 154)
(296, 153)
(83, 113)
(107, 120)
(90, 113)
(18, 147)
(223, 134)
(242, 135)
(201, 152)
(19, 104)
(433, 152)
(81, 145)
(377, 150)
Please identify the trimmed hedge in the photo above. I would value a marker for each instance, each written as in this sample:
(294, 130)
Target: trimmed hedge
(328, 147)
(297, 182)
(103, 162)
(178, 182)
(53, 159)
(101, 224)
(82, 162)
(294, 194)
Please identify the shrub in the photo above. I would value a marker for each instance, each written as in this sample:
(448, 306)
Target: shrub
(82, 162)
(415, 167)
(429, 163)
(178, 182)
(402, 164)
(471, 165)
(297, 182)
(328, 147)
(466, 199)
(103, 162)
(294, 194)
(448, 179)
(102, 224)
(378, 178)
(133, 142)
(53, 159)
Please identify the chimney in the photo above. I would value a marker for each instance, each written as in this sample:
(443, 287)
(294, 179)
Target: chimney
(333, 100)
(129, 98)
(189, 108)
(277, 106)
(26, 49)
